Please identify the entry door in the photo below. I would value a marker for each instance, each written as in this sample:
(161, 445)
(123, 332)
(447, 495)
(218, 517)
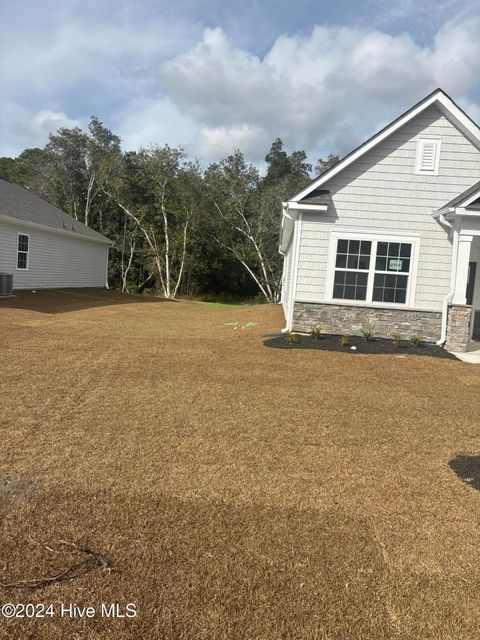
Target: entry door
(472, 269)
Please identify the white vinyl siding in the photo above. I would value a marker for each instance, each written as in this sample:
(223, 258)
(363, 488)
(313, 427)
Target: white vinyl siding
(54, 260)
(381, 193)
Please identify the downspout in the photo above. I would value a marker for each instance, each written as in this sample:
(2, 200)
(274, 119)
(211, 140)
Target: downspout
(106, 267)
(448, 298)
(296, 247)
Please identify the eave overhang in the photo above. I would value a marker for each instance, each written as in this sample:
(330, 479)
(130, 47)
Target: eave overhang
(290, 211)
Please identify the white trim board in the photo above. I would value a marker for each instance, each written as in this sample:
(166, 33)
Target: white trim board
(374, 237)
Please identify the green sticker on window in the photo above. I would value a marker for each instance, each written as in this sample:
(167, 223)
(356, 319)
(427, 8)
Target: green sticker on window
(395, 265)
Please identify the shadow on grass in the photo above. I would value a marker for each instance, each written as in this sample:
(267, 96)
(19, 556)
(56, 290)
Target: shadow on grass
(467, 469)
(66, 300)
(376, 346)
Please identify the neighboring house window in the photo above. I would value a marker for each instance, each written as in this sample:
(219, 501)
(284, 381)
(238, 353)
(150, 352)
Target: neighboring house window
(22, 251)
(428, 156)
(373, 271)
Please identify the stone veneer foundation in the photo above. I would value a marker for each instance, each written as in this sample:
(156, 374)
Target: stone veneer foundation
(458, 327)
(337, 319)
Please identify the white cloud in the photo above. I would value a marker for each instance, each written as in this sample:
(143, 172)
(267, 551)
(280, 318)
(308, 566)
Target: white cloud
(324, 92)
(45, 122)
(154, 78)
(214, 143)
(149, 121)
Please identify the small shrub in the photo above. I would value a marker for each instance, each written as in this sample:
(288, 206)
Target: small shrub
(367, 333)
(396, 337)
(316, 332)
(344, 340)
(292, 338)
(416, 340)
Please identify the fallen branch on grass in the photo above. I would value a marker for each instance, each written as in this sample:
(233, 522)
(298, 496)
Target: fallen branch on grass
(91, 560)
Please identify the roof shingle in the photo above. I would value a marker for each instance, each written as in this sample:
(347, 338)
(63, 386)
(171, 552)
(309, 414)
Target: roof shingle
(20, 203)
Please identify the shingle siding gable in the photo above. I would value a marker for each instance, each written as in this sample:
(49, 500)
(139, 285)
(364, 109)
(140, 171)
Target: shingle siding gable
(380, 191)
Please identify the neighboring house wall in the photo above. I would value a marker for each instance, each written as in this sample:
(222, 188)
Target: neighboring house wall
(55, 259)
(381, 193)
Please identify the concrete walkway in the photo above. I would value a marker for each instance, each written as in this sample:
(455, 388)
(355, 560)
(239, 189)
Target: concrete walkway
(472, 353)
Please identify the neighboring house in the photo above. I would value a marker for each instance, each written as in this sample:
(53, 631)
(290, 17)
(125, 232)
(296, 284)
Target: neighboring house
(43, 247)
(390, 236)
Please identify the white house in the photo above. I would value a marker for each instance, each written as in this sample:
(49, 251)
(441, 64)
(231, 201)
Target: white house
(43, 247)
(390, 236)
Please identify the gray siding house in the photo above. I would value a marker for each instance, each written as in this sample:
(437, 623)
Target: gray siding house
(43, 247)
(389, 237)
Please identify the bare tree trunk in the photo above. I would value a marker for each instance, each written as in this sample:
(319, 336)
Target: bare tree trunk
(167, 244)
(162, 262)
(88, 201)
(127, 269)
(184, 252)
(263, 282)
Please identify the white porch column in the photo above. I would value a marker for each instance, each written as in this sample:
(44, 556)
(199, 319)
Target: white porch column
(461, 270)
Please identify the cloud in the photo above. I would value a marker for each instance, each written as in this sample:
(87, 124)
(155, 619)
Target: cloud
(148, 121)
(156, 75)
(325, 91)
(45, 122)
(31, 129)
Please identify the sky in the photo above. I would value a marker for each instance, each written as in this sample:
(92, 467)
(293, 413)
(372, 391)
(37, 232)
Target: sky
(215, 75)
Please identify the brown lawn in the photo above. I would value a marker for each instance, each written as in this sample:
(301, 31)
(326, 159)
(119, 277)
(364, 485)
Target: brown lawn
(241, 492)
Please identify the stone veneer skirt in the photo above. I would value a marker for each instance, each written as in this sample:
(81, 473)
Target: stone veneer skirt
(337, 319)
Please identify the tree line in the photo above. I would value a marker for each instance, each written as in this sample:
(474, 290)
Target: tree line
(178, 229)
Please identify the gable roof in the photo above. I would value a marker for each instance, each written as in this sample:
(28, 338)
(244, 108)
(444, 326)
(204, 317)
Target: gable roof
(438, 98)
(23, 205)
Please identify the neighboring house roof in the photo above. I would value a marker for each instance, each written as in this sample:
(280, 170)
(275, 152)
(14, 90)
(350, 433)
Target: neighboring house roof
(469, 199)
(23, 205)
(438, 98)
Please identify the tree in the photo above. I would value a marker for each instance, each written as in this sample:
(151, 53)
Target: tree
(323, 165)
(292, 170)
(244, 225)
(7, 168)
(79, 164)
(158, 191)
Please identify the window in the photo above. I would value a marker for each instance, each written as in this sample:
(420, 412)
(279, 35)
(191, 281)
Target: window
(428, 156)
(351, 269)
(372, 271)
(22, 251)
(392, 266)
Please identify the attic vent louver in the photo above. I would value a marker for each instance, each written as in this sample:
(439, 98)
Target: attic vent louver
(428, 156)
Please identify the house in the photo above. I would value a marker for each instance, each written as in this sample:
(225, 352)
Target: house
(389, 237)
(43, 247)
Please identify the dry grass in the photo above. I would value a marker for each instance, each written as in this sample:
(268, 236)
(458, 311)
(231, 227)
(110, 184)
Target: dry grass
(242, 492)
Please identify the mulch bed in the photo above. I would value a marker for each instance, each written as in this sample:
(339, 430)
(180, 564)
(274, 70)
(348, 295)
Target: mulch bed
(330, 342)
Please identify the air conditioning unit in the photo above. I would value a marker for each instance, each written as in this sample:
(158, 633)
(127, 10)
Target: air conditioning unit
(6, 284)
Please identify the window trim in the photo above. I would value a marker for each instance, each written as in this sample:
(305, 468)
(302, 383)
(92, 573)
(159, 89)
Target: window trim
(419, 153)
(374, 237)
(18, 251)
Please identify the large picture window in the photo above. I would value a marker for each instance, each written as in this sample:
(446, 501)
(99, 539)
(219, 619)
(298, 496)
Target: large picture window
(372, 270)
(22, 251)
